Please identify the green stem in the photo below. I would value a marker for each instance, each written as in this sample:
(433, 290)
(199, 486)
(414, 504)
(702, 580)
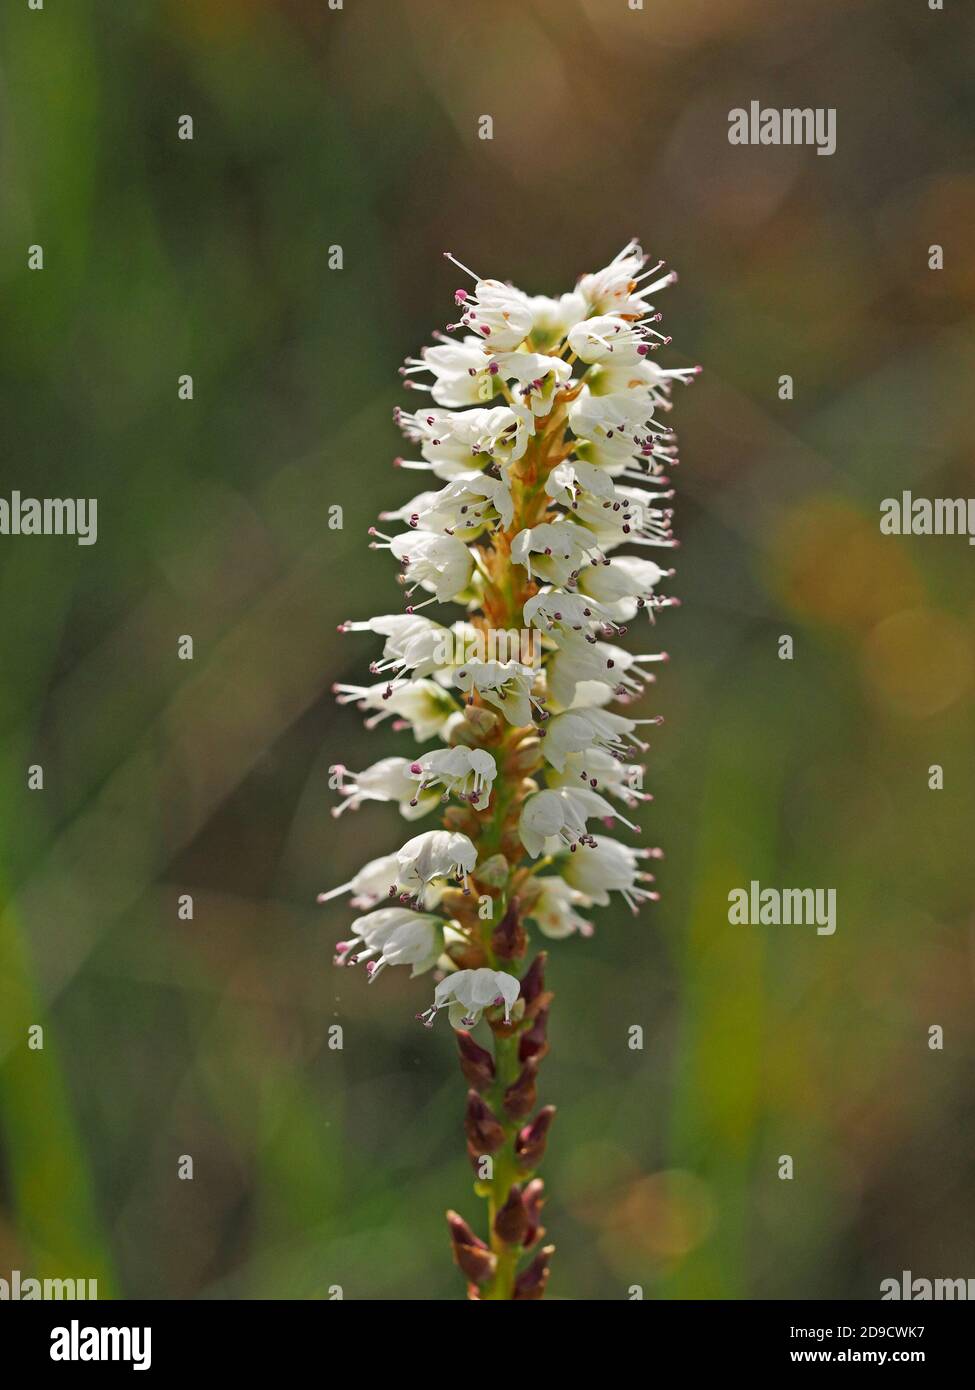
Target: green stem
(505, 1171)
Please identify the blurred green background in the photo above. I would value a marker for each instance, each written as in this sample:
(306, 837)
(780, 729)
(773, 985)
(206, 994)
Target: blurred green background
(357, 127)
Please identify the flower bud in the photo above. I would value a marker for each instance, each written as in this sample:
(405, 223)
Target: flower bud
(533, 980)
(529, 891)
(455, 903)
(533, 1042)
(471, 1255)
(477, 725)
(531, 1282)
(512, 1221)
(511, 844)
(531, 1140)
(463, 820)
(521, 1096)
(493, 873)
(484, 1133)
(533, 1199)
(476, 1062)
(527, 757)
(509, 939)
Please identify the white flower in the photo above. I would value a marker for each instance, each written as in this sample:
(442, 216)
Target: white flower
(577, 661)
(623, 456)
(388, 780)
(461, 373)
(622, 422)
(633, 518)
(397, 936)
(538, 378)
(469, 993)
(552, 318)
(468, 773)
(601, 771)
(616, 289)
(421, 705)
(370, 885)
(612, 376)
(625, 585)
(610, 867)
(591, 695)
(607, 338)
(434, 854)
(469, 503)
(562, 549)
(473, 501)
(498, 313)
(590, 728)
(568, 481)
(507, 685)
(555, 610)
(413, 643)
(554, 909)
(561, 814)
(455, 443)
(441, 564)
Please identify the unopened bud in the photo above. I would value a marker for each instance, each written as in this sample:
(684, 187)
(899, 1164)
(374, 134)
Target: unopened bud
(530, 1142)
(466, 954)
(533, 1199)
(509, 939)
(527, 756)
(477, 725)
(533, 1041)
(471, 1255)
(454, 902)
(511, 1222)
(461, 1233)
(462, 820)
(533, 980)
(493, 873)
(484, 1133)
(511, 845)
(531, 1282)
(529, 891)
(476, 1062)
(521, 1096)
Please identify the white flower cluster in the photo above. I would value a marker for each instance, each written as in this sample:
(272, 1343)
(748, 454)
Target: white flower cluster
(546, 435)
